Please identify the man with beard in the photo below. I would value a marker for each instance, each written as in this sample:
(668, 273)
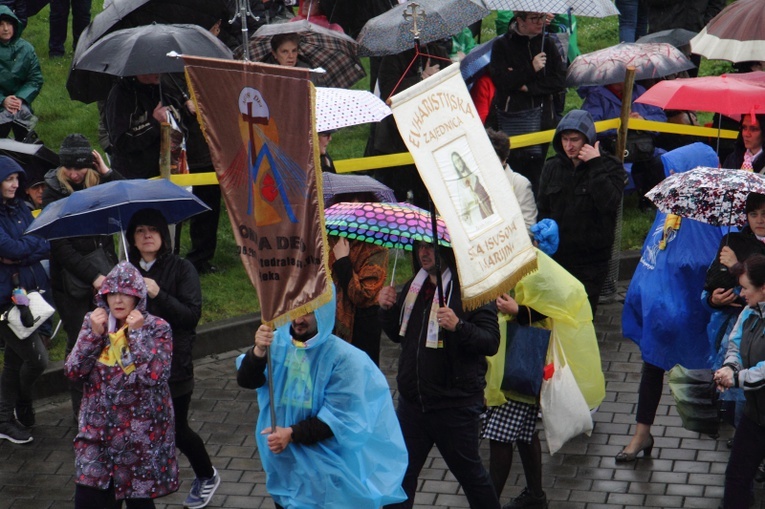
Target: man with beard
(336, 441)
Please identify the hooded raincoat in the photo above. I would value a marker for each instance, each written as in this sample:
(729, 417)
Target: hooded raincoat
(25, 251)
(582, 199)
(555, 293)
(20, 72)
(363, 463)
(662, 312)
(126, 425)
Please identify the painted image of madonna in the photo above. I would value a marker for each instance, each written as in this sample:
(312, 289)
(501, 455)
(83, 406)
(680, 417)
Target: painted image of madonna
(471, 201)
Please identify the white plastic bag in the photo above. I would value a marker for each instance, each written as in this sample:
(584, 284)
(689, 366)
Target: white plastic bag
(565, 413)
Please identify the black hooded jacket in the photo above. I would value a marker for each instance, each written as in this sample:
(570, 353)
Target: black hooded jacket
(452, 376)
(583, 199)
(179, 302)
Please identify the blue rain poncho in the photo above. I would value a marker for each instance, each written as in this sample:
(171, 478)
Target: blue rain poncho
(363, 464)
(663, 312)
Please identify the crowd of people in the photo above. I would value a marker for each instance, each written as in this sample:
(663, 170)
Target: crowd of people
(130, 325)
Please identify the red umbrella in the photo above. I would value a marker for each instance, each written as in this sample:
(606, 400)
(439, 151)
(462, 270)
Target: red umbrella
(729, 94)
(736, 34)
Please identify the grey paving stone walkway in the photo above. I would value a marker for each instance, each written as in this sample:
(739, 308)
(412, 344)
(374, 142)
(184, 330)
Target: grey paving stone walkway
(686, 471)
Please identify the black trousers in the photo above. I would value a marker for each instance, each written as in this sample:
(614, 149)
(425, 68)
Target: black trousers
(203, 228)
(59, 17)
(649, 393)
(456, 432)
(188, 441)
(745, 456)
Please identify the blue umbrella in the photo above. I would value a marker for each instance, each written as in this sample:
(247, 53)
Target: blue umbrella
(107, 208)
(476, 62)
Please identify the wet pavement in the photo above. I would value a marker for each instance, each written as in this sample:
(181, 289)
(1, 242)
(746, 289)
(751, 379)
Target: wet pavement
(686, 470)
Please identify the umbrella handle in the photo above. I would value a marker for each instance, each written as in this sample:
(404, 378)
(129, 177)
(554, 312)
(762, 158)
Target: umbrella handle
(439, 283)
(393, 274)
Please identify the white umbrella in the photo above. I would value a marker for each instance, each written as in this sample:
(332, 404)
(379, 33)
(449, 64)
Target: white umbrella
(586, 8)
(736, 34)
(340, 107)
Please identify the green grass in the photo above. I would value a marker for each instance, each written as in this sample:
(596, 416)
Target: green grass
(229, 293)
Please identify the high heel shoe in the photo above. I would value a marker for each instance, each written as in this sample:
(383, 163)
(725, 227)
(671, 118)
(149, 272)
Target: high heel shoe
(626, 457)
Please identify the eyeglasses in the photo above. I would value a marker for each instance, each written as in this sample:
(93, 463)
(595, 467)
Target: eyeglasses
(536, 19)
(750, 128)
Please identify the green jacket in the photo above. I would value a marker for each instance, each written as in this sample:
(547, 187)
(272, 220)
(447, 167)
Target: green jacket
(20, 73)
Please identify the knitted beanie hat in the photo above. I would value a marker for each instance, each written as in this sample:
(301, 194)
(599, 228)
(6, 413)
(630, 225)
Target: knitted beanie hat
(76, 152)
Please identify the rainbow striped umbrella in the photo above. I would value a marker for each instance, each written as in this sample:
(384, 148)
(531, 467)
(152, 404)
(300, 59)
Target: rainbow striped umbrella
(391, 225)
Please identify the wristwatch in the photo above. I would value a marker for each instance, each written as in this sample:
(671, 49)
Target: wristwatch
(459, 325)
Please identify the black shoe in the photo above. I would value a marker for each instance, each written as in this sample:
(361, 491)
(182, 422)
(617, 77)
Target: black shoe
(206, 268)
(527, 500)
(25, 414)
(12, 431)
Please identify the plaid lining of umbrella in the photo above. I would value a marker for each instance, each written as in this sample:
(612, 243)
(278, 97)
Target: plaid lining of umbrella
(334, 54)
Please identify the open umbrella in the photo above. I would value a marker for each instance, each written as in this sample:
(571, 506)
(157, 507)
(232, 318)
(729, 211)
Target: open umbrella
(715, 196)
(426, 21)
(675, 36)
(727, 94)
(107, 208)
(476, 62)
(736, 34)
(333, 51)
(337, 184)
(144, 49)
(609, 65)
(341, 107)
(391, 225)
(35, 159)
(586, 8)
(121, 14)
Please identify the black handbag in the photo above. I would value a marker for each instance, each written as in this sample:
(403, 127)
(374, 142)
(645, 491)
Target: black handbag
(513, 123)
(76, 287)
(525, 356)
(640, 147)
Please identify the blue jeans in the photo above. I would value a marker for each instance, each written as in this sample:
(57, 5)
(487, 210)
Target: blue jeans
(456, 432)
(633, 20)
(25, 361)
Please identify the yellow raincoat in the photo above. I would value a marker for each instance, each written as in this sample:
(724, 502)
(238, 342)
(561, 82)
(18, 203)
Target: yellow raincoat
(552, 291)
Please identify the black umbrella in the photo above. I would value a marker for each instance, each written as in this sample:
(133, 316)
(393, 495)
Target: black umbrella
(675, 36)
(88, 87)
(144, 50)
(34, 158)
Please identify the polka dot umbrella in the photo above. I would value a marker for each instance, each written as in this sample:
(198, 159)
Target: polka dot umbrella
(391, 225)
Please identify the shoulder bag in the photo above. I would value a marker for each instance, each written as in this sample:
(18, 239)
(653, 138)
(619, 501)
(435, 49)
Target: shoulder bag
(525, 355)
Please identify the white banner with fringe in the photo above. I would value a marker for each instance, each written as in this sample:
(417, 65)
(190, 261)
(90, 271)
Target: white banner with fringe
(457, 163)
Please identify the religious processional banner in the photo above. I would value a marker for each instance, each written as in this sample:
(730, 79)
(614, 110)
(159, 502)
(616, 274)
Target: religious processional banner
(441, 129)
(258, 121)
